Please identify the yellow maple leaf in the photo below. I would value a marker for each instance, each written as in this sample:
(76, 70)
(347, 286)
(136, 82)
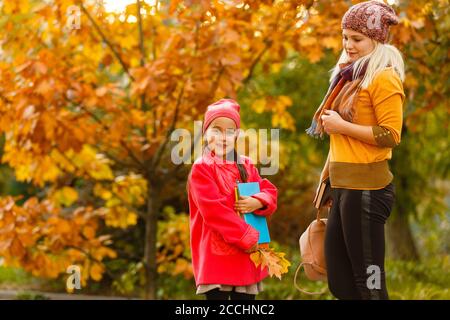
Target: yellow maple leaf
(96, 271)
(66, 196)
(259, 105)
(275, 262)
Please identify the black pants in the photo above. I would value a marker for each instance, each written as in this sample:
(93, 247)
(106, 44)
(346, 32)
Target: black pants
(354, 242)
(216, 294)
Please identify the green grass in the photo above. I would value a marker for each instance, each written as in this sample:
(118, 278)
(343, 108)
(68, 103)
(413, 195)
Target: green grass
(14, 277)
(31, 296)
(427, 280)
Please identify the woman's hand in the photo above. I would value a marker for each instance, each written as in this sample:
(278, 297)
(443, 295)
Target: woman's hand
(247, 204)
(332, 122)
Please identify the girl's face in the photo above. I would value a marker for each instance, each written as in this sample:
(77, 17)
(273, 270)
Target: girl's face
(356, 45)
(221, 136)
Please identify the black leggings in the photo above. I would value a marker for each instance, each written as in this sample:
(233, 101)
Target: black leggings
(216, 294)
(354, 240)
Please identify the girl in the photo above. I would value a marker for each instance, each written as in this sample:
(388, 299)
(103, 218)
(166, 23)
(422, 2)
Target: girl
(362, 113)
(221, 241)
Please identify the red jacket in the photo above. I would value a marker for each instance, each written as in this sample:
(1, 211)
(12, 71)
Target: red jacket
(219, 237)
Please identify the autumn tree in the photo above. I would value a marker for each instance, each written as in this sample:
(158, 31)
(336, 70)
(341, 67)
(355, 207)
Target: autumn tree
(96, 105)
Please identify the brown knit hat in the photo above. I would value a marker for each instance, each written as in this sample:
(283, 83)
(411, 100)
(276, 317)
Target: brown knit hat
(371, 18)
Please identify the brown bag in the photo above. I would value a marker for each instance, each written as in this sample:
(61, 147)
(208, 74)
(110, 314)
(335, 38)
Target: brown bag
(312, 243)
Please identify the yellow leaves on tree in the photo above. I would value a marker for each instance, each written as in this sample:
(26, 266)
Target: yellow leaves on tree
(313, 47)
(65, 196)
(275, 262)
(49, 167)
(37, 237)
(173, 255)
(121, 197)
(120, 217)
(93, 163)
(281, 118)
(11, 6)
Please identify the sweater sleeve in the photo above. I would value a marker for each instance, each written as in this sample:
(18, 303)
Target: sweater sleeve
(268, 195)
(387, 98)
(215, 211)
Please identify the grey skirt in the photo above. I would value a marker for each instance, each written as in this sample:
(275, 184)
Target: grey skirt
(249, 289)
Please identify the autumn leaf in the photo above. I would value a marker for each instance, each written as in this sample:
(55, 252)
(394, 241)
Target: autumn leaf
(66, 196)
(96, 271)
(275, 262)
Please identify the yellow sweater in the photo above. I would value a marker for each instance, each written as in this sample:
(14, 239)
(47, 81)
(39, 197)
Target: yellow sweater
(355, 164)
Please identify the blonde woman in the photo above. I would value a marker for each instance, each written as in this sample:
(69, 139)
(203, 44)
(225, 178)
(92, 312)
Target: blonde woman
(362, 114)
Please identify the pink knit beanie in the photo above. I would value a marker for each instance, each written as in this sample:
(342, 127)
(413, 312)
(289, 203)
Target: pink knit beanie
(222, 108)
(371, 18)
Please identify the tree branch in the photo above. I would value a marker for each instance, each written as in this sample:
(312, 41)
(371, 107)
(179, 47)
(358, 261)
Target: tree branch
(141, 34)
(92, 178)
(105, 39)
(142, 49)
(122, 142)
(268, 44)
(161, 150)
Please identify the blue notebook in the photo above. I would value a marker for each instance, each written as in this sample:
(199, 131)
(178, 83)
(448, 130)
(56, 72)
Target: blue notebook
(258, 222)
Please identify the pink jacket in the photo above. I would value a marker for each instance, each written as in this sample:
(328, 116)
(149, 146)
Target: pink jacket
(219, 237)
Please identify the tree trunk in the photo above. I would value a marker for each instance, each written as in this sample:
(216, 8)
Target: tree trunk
(401, 243)
(151, 228)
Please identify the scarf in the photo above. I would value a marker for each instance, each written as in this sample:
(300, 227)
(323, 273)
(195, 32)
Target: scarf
(341, 97)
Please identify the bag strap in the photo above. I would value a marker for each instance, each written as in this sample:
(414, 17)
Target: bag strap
(303, 263)
(300, 289)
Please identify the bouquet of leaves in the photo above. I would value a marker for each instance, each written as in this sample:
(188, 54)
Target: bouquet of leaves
(275, 262)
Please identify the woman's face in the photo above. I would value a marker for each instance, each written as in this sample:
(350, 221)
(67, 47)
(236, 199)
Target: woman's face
(221, 136)
(357, 45)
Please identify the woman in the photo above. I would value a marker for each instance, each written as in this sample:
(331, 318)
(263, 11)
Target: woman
(362, 114)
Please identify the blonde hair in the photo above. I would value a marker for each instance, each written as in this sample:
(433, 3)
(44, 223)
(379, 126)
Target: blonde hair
(382, 57)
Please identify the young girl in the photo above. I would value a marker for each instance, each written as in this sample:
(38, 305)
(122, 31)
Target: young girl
(362, 113)
(221, 241)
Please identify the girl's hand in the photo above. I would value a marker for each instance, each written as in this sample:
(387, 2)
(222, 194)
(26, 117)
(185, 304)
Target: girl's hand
(254, 248)
(247, 204)
(332, 122)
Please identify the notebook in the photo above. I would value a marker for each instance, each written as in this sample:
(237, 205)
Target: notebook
(258, 222)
